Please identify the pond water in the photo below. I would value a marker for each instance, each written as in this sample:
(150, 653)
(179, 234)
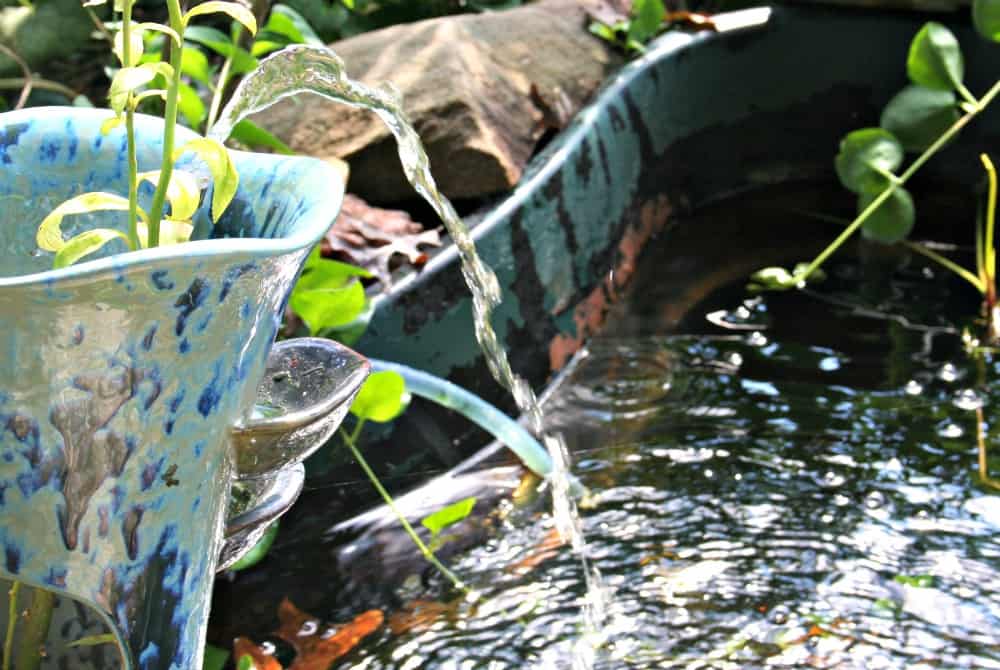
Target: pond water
(787, 480)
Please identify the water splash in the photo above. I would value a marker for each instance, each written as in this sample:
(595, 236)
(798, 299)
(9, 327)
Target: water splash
(309, 69)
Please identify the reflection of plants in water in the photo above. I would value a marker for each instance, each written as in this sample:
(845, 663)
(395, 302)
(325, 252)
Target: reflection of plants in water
(923, 117)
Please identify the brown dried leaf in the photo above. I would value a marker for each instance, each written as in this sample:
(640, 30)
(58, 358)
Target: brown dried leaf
(371, 236)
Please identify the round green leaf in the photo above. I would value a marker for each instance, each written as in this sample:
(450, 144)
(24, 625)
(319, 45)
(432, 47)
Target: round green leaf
(382, 398)
(864, 155)
(918, 116)
(935, 59)
(258, 551)
(986, 18)
(892, 221)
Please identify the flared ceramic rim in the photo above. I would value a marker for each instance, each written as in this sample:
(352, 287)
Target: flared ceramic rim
(319, 220)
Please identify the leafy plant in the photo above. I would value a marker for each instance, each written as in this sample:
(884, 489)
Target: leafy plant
(922, 118)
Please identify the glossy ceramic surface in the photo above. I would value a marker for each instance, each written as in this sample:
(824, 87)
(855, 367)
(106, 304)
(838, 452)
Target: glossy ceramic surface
(121, 378)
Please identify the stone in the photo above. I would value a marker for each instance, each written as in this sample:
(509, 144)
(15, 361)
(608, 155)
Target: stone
(481, 90)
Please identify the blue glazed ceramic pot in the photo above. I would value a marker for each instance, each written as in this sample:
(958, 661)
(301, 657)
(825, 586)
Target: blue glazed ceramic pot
(128, 383)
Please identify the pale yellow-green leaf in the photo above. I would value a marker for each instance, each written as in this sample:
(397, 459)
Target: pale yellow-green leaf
(85, 244)
(150, 93)
(49, 236)
(128, 79)
(235, 10)
(111, 124)
(94, 3)
(220, 165)
(160, 28)
(183, 192)
(175, 232)
(135, 40)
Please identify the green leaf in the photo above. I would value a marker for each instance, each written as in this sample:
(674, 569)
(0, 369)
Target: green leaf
(93, 640)
(216, 40)
(255, 137)
(647, 15)
(135, 40)
(220, 165)
(328, 308)
(892, 221)
(160, 28)
(864, 156)
(49, 236)
(448, 516)
(259, 550)
(215, 658)
(128, 79)
(85, 244)
(190, 105)
(382, 397)
(772, 279)
(917, 116)
(111, 123)
(920, 581)
(234, 10)
(195, 65)
(935, 59)
(986, 18)
(306, 33)
(282, 25)
(246, 663)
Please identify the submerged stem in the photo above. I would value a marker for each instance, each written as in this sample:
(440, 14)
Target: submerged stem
(427, 553)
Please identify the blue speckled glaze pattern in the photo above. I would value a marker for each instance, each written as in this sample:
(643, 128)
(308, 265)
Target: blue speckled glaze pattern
(121, 377)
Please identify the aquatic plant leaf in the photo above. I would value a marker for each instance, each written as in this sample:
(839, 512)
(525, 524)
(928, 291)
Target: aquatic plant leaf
(892, 221)
(215, 658)
(647, 15)
(234, 10)
(135, 44)
(111, 124)
(160, 28)
(919, 581)
(935, 59)
(255, 137)
(220, 165)
(986, 18)
(259, 550)
(917, 116)
(325, 309)
(772, 279)
(865, 157)
(448, 516)
(190, 105)
(49, 236)
(85, 244)
(382, 397)
(246, 662)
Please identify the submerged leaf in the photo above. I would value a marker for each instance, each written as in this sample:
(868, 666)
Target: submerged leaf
(892, 221)
(935, 59)
(382, 397)
(448, 516)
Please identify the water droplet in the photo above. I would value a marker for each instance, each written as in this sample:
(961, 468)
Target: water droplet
(913, 387)
(950, 430)
(267, 648)
(756, 339)
(967, 399)
(734, 358)
(308, 628)
(874, 500)
(829, 364)
(832, 479)
(948, 373)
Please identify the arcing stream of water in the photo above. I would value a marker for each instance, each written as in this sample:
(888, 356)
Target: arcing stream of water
(308, 69)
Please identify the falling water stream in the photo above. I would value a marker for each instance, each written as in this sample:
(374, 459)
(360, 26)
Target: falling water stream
(308, 69)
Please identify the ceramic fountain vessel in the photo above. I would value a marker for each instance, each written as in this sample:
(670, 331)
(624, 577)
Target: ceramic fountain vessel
(137, 387)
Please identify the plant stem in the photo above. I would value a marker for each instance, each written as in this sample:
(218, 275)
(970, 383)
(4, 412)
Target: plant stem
(8, 642)
(133, 164)
(948, 263)
(8, 83)
(222, 82)
(903, 178)
(427, 553)
(169, 125)
(36, 629)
